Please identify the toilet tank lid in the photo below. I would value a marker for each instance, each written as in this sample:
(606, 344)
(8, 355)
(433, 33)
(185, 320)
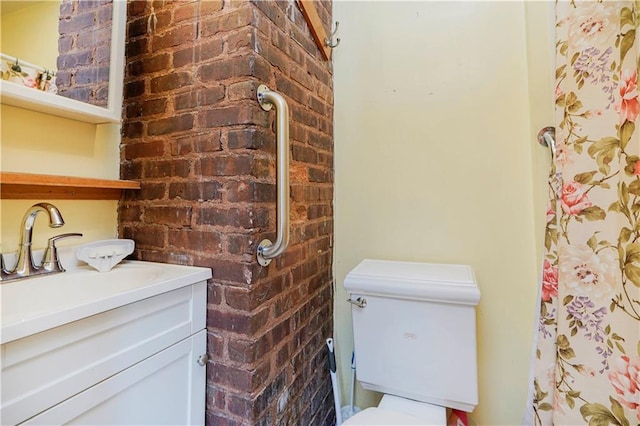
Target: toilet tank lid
(435, 282)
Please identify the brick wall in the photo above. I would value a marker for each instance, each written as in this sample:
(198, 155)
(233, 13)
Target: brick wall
(84, 45)
(204, 150)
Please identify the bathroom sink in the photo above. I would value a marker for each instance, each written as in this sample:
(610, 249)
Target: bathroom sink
(40, 303)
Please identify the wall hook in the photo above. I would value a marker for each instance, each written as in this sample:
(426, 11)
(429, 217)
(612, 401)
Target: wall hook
(329, 40)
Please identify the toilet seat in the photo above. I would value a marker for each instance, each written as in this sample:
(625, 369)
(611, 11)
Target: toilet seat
(394, 410)
(379, 416)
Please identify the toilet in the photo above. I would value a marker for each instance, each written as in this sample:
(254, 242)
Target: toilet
(414, 332)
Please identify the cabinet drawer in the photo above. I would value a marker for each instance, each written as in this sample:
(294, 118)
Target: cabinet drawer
(43, 369)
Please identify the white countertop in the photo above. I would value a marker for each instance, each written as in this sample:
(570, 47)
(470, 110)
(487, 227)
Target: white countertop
(36, 304)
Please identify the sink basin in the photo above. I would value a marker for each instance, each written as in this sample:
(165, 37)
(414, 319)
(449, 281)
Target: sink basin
(40, 303)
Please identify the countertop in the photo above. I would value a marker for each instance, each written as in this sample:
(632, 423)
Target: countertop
(36, 304)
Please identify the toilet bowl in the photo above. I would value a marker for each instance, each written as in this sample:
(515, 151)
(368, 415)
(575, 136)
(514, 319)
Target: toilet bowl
(414, 335)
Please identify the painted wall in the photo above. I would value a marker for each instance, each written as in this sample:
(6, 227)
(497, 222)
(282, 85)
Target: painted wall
(32, 142)
(436, 109)
(29, 31)
(436, 161)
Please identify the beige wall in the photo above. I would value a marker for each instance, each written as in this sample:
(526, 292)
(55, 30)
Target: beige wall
(540, 19)
(30, 32)
(32, 142)
(436, 161)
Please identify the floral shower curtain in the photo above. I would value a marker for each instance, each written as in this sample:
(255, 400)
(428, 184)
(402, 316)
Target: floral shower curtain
(587, 367)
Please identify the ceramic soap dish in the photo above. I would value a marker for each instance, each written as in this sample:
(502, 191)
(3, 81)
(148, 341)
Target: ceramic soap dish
(105, 254)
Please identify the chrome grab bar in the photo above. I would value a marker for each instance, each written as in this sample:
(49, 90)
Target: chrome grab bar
(266, 249)
(547, 138)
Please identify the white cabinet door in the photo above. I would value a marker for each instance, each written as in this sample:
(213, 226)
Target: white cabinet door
(167, 388)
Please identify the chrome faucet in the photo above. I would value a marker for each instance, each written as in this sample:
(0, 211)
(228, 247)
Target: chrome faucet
(25, 266)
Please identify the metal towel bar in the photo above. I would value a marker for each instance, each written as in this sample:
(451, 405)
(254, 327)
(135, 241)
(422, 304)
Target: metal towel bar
(547, 138)
(268, 250)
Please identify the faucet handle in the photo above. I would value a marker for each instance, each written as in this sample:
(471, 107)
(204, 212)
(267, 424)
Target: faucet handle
(50, 261)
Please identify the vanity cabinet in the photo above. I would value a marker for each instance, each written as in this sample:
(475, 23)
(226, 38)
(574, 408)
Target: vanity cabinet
(140, 363)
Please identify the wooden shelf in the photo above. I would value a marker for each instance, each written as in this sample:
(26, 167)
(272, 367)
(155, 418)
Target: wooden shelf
(27, 186)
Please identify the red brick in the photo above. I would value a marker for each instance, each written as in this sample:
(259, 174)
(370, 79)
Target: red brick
(131, 170)
(186, 100)
(273, 12)
(241, 244)
(281, 41)
(305, 117)
(166, 168)
(244, 350)
(72, 60)
(238, 192)
(226, 68)
(214, 294)
(220, 419)
(149, 65)
(170, 81)
(137, 27)
(136, 47)
(242, 39)
(320, 175)
(319, 72)
(194, 240)
(64, 43)
(231, 116)
(169, 215)
(153, 107)
(151, 191)
(83, 51)
(221, 23)
(66, 9)
(186, 12)
(208, 7)
(136, 8)
(174, 37)
(76, 23)
(132, 129)
(92, 76)
(179, 123)
(250, 138)
(248, 300)
(276, 58)
(197, 53)
(215, 345)
(225, 166)
(242, 90)
(134, 89)
(237, 322)
(199, 98)
(87, 39)
(320, 140)
(141, 150)
(205, 142)
(197, 191)
(212, 95)
(129, 212)
(153, 236)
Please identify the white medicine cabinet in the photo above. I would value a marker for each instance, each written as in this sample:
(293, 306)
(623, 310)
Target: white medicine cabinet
(21, 96)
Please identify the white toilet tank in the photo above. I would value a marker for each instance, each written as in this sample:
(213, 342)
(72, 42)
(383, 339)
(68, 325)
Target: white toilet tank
(416, 335)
